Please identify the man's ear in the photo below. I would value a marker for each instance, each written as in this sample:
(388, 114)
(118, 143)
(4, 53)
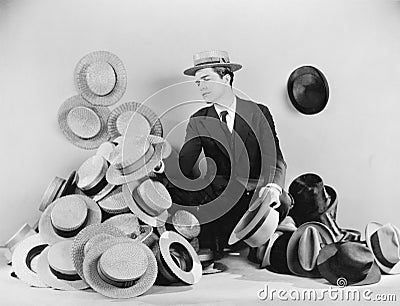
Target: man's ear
(227, 78)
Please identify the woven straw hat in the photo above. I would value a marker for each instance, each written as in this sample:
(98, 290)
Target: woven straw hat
(120, 269)
(114, 202)
(129, 224)
(186, 224)
(56, 268)
(100, 78)
(83, 124)
(51, 192)
(66, 216)
(23, 232)
(25, 253)
(149, 201)
(105, 150)
(127, 114)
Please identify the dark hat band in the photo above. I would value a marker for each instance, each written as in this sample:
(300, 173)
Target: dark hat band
(376, 248)
(33, 253)
(211, 60)
(142, 204)
(165, 271)
(256, 227)
(63, 276)
(69, 234)
(97, 188)
(119, 284)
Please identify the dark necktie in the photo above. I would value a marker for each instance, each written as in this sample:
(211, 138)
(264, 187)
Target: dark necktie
(223, 116)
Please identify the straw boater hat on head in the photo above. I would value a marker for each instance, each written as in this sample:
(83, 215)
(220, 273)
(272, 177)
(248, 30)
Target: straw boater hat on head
(79, 242)
(209, 59)
(92, 178)
(25, 259)
(133, 115)
(129, 224)
(67, 216)
(23, 232)
(137, 157)
(308, 90)
(348, 263)
(384, 242)
(100, 78)
(56, 268)
(83, 124)
(177, 260)
(304, 246)
(149, 201)
(186, 224)
(120, 269)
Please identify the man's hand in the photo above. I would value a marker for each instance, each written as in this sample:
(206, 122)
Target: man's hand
(267, 195)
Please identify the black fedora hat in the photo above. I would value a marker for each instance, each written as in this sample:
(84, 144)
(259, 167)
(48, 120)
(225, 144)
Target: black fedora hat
(308, 90)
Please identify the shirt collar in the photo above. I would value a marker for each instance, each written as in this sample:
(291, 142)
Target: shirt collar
(231, 110)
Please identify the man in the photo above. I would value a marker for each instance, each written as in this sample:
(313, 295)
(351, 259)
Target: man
(240, 143)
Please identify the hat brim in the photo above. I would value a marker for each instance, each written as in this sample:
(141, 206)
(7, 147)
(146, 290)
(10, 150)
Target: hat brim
(46, 228)
(69, 186)
(373, 275)
(189, 277)
(215, 267)
(292, 249)
(90, 143)
(20, 259)
(121, 78)
(51, 280)
(156, 127)
(311, 110)
(192, 70)
(51, 192)
(93, 278)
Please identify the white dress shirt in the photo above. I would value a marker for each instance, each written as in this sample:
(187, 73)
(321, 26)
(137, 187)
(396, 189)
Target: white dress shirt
(230, 118)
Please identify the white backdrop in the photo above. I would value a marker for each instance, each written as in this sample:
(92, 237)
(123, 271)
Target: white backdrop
(353, 144)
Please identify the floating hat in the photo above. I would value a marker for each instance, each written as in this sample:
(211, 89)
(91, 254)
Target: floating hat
(308, 90)
(177, 260)
(186, 224)
(348, 264)
(24, 232)
(120, 269)
(137, 158)
(304, 246)
(84, 236)
(114, 202)
(56, 268)
(134, 115)
(209, 59)
(384, 242)
(25, 253)
(100, 78)
(92, 178)
(83, 124)
(129, 224)
(67, 216)
(275, 256)
(149, 201)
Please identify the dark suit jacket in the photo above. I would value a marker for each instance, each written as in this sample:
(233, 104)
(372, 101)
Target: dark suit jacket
(253, 152)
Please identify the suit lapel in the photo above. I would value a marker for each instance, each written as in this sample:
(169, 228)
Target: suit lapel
(243, 120)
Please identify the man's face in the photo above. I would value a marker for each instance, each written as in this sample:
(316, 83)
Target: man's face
(211, 86)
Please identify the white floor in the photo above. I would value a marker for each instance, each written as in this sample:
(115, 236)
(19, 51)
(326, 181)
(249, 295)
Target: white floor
(237, 286)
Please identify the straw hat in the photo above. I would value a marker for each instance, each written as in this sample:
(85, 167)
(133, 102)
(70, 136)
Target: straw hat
(120, 269)
(149, 201)
(105, 150)
(137, 158)
(83, 124)
(304, 246)
(66, 216)
(348, 264)
(129, 224)
(100, 78)
(69, 187)
(23, 232)
(114, 202)
(25, 253)
(178, 257)
(56, 268)
(384, 242)
(209, 59)
(92, 178)
(51, 192)
(128, 117)
(84, 236)
(186, 224)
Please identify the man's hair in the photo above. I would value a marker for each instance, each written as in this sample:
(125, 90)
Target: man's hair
(221, 71)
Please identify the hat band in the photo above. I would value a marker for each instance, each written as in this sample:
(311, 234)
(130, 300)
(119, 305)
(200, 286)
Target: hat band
(96, 189)
(211, 60)
(63, 276)
(256, 227)
(69, 234)
(142, 204)
(119, 284)
(33, 253)
(376, 248)
(165, 270)
(139, 163)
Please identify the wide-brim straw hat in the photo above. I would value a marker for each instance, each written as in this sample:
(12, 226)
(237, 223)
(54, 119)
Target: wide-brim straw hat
(185, 266)
(304, 246)
(118, 176)
(83, 124)
(209, 59)
(25, 252)
(129, 109)
(384, 242)
(129, 224)
(100, 77)
(186, 224)
(22, 233)
(78, 218)
(56, 268)
(120, 269)
(51, 192)
(114, 203)
(78, 246)
(149, 201)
